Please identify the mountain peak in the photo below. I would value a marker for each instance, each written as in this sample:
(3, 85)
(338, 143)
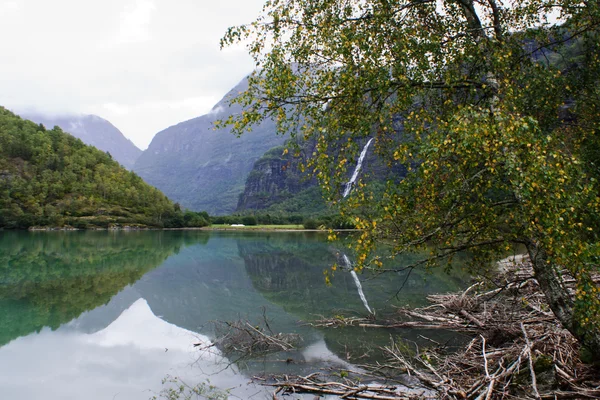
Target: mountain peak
(204, 168)
(93, 130)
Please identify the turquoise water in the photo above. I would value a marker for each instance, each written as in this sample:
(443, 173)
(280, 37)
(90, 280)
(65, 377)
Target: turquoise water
(103, 315)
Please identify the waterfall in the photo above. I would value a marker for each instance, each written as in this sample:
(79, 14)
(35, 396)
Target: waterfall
(350, 183)
(357, 282)
(347, 191)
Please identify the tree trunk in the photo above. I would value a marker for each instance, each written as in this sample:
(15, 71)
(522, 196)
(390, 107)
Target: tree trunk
(560, 301)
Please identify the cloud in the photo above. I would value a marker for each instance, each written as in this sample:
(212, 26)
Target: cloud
(114, 108)
(216, 110)
(142, 64)
(135, 22)
(7, 7)
(199, 104)
(137, 120)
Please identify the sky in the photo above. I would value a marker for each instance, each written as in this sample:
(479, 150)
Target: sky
(144, 65)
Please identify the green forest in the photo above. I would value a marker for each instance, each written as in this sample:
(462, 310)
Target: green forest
(49, 178)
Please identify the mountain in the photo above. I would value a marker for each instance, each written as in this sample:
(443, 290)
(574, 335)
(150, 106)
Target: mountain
(203, 168)
(277, 185)
(50, 178)
(94, 131)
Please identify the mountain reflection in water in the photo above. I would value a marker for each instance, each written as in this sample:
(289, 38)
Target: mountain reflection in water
(126, 360)
(78, 310)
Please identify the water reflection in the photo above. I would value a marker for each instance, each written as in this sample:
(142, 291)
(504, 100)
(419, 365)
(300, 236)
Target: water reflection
(126, 360)
(288, 270)
(47, 279)
(289, 273)
(207, 283)
(115, 312)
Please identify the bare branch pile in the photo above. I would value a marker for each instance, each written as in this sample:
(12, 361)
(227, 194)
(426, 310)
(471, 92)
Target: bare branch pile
(518, 348)
(245, 339)
(345, 388)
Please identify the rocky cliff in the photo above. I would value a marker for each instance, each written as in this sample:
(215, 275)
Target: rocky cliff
(276, 183)
(274, 179)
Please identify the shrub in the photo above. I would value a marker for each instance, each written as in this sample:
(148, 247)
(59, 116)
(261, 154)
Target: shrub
(311, 224)
(249, 220)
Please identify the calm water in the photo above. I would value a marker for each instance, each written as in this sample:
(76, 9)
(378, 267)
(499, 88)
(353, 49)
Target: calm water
(107, 315)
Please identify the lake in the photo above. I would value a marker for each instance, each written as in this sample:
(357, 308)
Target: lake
(110, 315)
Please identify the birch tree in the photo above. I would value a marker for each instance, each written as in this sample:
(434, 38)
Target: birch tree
(491, 106)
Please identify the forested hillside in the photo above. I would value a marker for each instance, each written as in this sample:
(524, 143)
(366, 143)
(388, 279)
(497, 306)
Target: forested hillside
(94, 131)
(50, 178)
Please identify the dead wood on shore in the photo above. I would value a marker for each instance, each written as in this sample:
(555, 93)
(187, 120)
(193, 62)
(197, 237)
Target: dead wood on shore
(346, 387)
(246, 340)
(518, 348)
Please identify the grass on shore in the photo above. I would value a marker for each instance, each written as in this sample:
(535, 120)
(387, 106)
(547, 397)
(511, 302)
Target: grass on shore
(257, 227)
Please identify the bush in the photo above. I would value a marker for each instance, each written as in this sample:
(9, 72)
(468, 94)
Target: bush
(311, 224)
(233, 219)
(197, 222)
(296, 219)
(220, 220)
(249, 220)
(79, 224)
(339, 222)
(174, 221)
(336, 222)
(264, 219)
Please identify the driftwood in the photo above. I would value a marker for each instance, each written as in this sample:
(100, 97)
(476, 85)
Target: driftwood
(246, 340)
(518, 349)
(321, 384)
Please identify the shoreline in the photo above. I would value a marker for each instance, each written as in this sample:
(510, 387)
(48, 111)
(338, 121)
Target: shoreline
(249, 228)
(166, 229)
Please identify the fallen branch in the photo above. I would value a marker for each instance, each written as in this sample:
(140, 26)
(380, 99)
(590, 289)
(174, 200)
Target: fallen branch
(531, 369)
(350, 390)
(247, 340)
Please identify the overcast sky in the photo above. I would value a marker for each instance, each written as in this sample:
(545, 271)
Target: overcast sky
(142, 64)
